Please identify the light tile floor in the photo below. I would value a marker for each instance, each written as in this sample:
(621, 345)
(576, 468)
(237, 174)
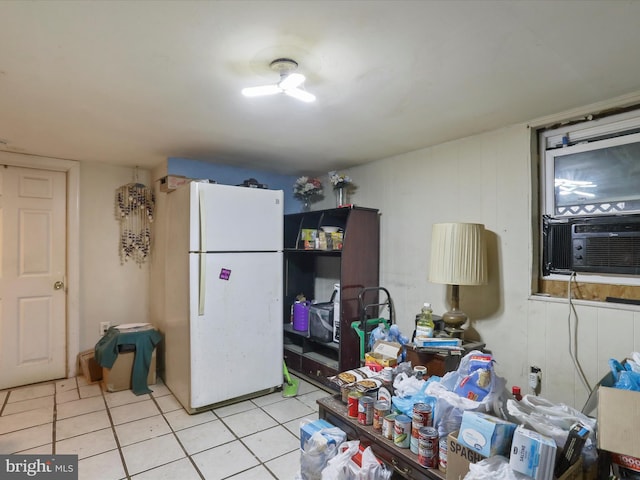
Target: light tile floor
(151, 437)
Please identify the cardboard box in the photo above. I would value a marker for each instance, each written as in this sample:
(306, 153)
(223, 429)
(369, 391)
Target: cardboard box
(385, 353)
(459, 457)
(486, 434)
(171, 182)
(533, 454)
(574, 472)
(624, 465)
(91, 371)
(118, 377)
(619, 421)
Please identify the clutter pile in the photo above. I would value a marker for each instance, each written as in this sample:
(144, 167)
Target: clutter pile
(468, 425)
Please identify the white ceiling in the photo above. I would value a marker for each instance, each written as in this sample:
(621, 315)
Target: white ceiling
(135, 82)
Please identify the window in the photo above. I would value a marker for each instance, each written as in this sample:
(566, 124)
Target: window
(590, 199)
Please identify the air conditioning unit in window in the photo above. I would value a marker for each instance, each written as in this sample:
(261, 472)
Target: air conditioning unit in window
(594, 245)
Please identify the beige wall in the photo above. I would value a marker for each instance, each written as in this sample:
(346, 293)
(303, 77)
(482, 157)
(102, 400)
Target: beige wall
(486, 178)
(110, 291)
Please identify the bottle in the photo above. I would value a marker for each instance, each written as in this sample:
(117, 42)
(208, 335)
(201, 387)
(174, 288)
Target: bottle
(425, 325)
(515, 391)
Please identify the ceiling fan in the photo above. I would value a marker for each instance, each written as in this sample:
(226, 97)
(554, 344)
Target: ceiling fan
(289, 82)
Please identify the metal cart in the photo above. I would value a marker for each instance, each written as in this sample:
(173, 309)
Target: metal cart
(366, 324)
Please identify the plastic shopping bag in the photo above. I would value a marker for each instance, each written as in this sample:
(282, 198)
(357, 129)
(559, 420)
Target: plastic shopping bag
(554, 420)
(493, 468)
(371, 468)
(318, 450)
(625, 377)
(405, 404)
(451, 405)
(338, 467)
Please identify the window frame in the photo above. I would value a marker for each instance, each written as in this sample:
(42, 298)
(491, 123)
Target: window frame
(550, 138)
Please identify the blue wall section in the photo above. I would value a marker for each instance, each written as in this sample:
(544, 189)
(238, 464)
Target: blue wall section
(228, 175)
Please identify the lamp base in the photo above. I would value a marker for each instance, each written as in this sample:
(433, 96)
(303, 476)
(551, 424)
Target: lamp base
(453, 322)
(454, 318)
(454, 332)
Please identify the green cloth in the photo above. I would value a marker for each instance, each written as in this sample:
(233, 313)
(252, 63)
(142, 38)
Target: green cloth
(106, 353)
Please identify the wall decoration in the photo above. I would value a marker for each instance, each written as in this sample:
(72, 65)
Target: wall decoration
(134, 209)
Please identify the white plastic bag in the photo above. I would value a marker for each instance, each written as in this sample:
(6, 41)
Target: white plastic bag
(371, 468)
(450, 405)
(406, 386)
(338, 467)
(555, 421)
(318, 450)
(493, 468)
(551, 419)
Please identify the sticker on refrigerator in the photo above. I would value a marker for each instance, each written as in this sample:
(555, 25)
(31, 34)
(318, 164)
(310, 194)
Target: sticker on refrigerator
(225, 273)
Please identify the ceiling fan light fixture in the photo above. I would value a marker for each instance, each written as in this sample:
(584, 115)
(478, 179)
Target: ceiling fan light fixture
(288, 84)
(300, 95)
(261, 90)
(292, 80)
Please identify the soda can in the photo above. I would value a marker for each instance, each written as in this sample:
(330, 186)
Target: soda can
(402, 431)
(388, 424)
(428, 447)
(352, 404)
(380, 410)
(365, 410)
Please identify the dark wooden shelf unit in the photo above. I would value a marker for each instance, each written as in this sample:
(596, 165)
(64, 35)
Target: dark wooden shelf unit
(354, 267)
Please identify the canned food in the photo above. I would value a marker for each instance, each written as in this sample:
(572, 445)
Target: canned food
(365, 410)
(428, 447)
(421, 418)
(380, 410)
(402, 431)
(387, 374)
(422, 415)
(352, 404)
(388, 424)
(442, 454)
(344, 392)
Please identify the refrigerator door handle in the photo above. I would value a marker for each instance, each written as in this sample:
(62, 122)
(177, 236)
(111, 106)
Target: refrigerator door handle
(203, 221)
(202, 283)
(203, 261)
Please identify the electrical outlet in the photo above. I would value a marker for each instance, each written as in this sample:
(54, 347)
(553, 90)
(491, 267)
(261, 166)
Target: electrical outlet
(535, 379)
(104, 326)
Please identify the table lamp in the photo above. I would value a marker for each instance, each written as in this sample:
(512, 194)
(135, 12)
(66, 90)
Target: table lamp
(458, 257)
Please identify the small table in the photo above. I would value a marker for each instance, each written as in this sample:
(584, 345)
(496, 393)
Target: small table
(401, 460)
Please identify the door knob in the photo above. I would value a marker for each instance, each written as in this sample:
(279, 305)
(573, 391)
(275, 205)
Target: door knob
(58, 285)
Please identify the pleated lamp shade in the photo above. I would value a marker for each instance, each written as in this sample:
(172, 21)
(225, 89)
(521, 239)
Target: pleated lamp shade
(458, 254)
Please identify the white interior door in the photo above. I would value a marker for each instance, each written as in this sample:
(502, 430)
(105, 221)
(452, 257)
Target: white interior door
(32, 275)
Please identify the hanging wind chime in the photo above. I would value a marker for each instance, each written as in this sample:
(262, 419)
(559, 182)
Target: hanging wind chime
(134, 210)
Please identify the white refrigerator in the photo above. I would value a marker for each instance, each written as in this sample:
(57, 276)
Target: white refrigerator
(223, 293)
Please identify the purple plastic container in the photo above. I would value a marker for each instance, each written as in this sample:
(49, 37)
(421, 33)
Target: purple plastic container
(301, 316)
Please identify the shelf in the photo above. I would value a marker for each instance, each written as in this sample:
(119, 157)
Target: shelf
(314, 271)
(289, 329)
(317, 357)
(292, 347)
(315, 251)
